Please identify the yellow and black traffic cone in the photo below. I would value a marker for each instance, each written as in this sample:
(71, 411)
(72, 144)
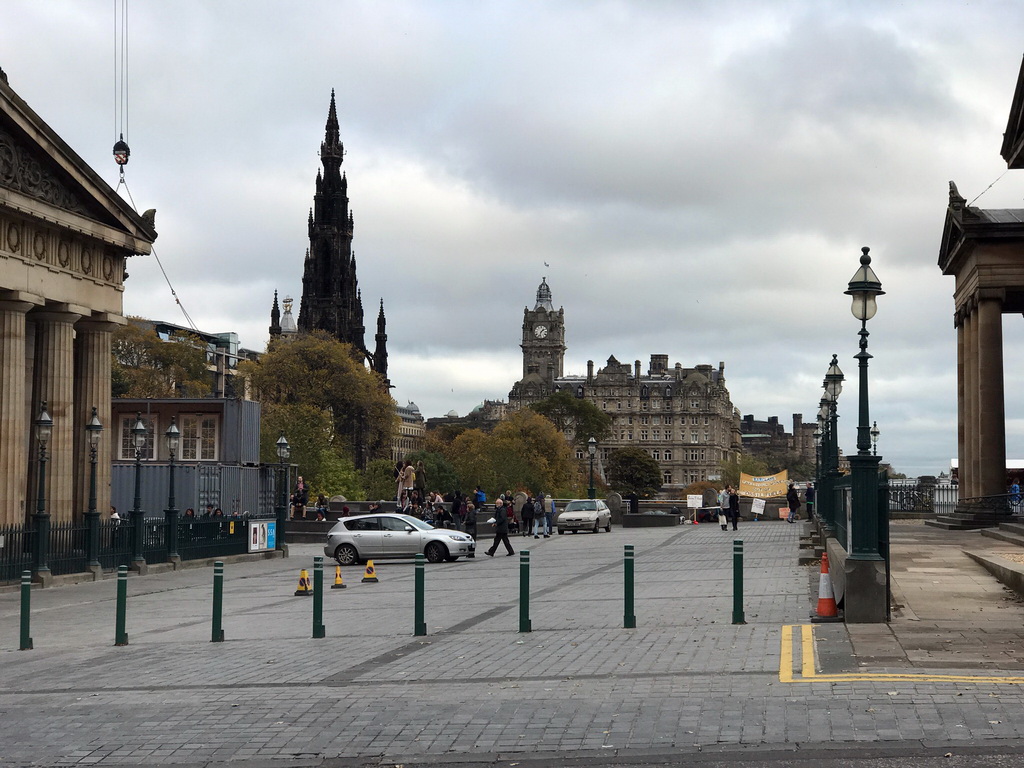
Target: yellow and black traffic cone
(304, 587)
(371, 573)
(338, 583)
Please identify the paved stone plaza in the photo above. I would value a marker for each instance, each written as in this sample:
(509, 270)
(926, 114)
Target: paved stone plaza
(475, 689)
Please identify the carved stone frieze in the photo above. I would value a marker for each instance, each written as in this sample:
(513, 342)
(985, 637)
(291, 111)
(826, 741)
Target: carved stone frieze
(22, 172)
(60, 250)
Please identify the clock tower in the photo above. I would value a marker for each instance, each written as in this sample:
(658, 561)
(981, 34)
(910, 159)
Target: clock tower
(543, 337)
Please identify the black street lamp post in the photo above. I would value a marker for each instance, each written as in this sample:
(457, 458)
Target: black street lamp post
(138, 526)
(172, 437)
(93, 431)
(833, 386)
(44, 429)
(283, 452)
(864, 287)
(592, 449)
(875, 432)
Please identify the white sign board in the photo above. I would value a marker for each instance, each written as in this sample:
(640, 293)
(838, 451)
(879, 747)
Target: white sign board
(262, 536)
(694, 501)
(757, 506)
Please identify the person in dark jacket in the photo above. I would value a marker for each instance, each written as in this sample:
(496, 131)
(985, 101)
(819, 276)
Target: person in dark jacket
(470, 522)
(809, 500)
(500, 529)
(527, 513)
(793, 502)
(734, 508)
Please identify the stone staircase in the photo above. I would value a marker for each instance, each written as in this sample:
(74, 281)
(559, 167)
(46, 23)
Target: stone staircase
(968, 521)
(1012, 533)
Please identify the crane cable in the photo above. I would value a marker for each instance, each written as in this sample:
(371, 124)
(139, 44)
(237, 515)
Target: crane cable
(121, 150)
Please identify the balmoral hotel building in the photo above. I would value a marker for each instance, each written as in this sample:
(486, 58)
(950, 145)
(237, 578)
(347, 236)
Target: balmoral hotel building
(683, 417)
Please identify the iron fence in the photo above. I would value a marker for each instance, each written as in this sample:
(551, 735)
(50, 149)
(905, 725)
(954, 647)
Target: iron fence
(68, 543)
(212, 538)
(16, 543)
(68, 550)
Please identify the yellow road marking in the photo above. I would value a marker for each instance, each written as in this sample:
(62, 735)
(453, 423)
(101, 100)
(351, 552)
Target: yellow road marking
(809, 673)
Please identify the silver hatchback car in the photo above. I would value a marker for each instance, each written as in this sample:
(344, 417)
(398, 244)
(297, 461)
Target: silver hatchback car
(584, 515)
(370, 537)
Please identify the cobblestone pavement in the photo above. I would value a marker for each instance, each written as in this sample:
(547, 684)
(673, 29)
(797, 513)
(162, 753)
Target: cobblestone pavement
(686, 679)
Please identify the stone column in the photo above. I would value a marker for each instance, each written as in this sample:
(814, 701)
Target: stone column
(92, 388)
(990, 417)
(14, 424)
(969, 461)
(53, 380)
(960, 393)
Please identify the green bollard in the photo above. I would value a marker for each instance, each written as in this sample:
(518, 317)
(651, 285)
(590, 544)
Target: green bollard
(419, 619)
(628, 616)
(218, 602)
(26, 602)
(120, 634)
(737, 582)
(319, 630)
(524, 591)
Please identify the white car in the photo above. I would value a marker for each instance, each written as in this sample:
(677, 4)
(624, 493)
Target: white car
(370, 537)
(584, 515)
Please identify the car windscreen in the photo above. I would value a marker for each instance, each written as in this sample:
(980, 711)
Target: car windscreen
(581, 506)
(416, 523)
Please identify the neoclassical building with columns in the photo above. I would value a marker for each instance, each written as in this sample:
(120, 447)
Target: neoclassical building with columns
(65, 236)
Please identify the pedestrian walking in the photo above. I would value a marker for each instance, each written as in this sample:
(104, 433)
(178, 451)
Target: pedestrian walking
(723, 508)
(500, 529)
(809, 500)
(793, 501)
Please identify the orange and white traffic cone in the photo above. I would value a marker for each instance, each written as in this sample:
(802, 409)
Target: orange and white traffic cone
(304, 588)
(827, 608)
(338, 583)
(371, 573)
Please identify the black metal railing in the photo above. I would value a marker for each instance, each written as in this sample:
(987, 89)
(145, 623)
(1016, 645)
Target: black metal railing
(16, 546)
(68, 550)
(209, 537)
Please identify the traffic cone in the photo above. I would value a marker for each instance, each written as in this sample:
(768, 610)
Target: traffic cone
(304, 587)
(337, 579)
(371, 573)
(826, 598)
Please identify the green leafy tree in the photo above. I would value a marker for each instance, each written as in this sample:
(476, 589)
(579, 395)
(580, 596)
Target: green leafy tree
(524, 452)
(575, 417)
(632, 470)
(319, 372)
(441, 475)
(144, 365)
(379, 480)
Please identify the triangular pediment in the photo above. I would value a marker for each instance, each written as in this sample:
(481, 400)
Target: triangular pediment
(1013, 139)
(952, 239)
(44, 178)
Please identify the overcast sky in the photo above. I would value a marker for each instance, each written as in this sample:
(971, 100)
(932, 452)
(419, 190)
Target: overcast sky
(700, 177)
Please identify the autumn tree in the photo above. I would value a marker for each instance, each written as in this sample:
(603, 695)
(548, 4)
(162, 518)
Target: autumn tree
(317, 388)
(632, 470)
(145, 365)
(523, 452)
(575, 417)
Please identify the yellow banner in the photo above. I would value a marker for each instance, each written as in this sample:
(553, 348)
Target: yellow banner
(764, 487)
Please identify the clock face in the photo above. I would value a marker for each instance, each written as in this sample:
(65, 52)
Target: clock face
(540, 331)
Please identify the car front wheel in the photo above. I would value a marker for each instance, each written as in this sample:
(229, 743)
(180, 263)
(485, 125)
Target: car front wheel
(560, 531)
(608, 528)
(435, 552)
(346, 555)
